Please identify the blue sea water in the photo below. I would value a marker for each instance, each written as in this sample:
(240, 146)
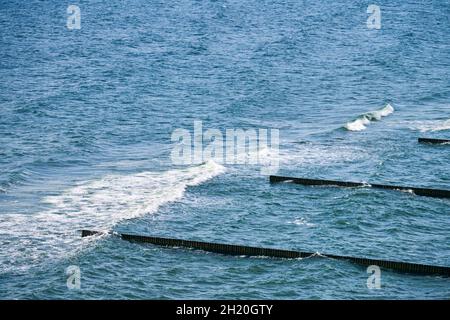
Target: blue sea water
(86, 118)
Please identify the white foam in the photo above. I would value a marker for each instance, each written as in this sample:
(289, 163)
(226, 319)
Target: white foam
(384, 112)
(29, 239)
(433, 125)
(358, 124)
(318, 155)
(362, 121)
(303, 222)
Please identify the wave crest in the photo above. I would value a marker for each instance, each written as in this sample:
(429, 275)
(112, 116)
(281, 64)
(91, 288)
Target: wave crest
(365, 119)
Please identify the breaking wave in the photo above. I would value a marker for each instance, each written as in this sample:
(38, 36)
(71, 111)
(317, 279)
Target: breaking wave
(29, 239)
(363, 120)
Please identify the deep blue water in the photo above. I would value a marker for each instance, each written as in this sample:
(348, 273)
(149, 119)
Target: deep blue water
(86, 118)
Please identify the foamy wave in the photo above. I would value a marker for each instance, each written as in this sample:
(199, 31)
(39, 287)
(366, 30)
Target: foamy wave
(29, 239)
(365, 119)
(434, 125)
(358, 124)
(319, 155)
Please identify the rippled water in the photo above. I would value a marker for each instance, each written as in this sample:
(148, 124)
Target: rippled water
(86, 118)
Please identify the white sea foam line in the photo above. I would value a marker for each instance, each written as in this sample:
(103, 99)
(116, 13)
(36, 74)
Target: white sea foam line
(362, 121)
(30, 239)
(308, 154)
(431, 125)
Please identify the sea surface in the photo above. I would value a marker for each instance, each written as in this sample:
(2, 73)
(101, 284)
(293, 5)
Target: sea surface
(87, 116)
